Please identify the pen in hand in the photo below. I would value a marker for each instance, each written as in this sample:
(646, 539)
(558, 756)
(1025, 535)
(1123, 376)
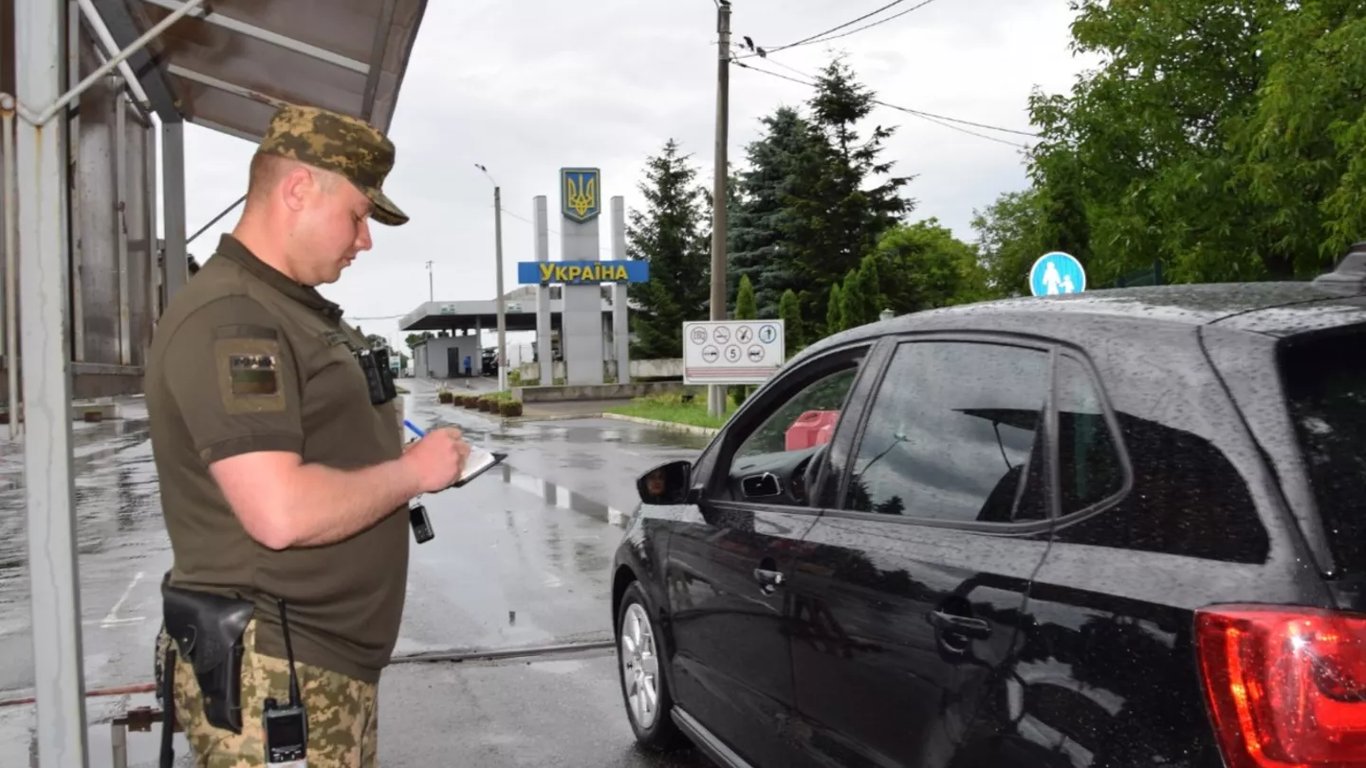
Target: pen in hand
(416, 430)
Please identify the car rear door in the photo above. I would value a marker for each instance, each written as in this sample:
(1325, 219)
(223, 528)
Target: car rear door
(912, 590)
(731, 554)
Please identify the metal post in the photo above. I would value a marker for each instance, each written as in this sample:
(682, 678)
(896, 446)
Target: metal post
(502, 302)
(153, 274)
(121, 227)
(431, 287)
(11, 266)
(75, 208)
(173, 179)
(55, 600)
(544, 328)
(716, 395)
(621, 328)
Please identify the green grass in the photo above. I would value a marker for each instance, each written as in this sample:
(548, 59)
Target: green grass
(671, 408)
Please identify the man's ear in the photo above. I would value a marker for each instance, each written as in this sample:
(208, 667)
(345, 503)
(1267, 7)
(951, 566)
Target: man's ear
(296, 187)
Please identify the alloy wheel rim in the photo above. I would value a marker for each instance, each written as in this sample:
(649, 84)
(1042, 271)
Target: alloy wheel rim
(639, 666)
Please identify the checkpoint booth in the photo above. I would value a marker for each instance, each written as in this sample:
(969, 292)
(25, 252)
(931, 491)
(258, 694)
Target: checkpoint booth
(92, 94)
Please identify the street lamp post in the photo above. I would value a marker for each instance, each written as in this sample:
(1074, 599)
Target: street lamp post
(431, 290)
(498, 259)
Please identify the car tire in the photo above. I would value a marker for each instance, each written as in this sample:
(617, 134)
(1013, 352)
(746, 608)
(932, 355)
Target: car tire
(640, 669)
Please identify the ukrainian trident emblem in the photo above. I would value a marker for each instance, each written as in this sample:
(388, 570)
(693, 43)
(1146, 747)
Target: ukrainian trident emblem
(579, 190)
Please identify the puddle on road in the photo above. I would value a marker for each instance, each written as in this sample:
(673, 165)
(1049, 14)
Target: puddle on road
(115, 490)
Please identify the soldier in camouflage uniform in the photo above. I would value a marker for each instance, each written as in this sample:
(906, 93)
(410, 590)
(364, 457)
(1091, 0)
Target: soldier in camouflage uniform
(280, 477)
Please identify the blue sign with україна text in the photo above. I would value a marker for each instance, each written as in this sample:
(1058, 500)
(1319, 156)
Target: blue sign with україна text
(582, 272)
(1057, 274)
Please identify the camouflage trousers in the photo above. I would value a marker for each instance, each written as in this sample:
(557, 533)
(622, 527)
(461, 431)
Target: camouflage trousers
(343, 713)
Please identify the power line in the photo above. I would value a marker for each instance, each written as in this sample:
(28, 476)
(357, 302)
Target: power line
(943, 120)
(812, 38)
(821, 36)
(874, 24)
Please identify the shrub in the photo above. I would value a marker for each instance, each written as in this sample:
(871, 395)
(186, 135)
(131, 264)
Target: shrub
(445, 396)
(510, 408)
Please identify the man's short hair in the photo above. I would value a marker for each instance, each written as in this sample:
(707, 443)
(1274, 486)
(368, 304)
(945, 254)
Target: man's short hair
(267, 170)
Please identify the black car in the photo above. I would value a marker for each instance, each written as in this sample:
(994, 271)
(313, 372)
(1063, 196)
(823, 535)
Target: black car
(1120, 528)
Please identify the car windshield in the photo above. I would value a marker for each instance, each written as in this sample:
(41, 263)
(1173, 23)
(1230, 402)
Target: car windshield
(1326, 386)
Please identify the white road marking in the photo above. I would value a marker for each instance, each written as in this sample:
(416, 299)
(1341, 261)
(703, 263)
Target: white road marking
(111, 619)
(111, 623)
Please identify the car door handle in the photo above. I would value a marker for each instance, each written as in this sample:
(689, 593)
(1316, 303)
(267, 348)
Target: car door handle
(963, 626)
(768, 580)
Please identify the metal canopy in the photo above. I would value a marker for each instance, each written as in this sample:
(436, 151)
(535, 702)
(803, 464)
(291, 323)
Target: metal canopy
(226, 65)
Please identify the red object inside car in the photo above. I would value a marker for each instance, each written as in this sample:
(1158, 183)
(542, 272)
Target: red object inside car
(811, 429)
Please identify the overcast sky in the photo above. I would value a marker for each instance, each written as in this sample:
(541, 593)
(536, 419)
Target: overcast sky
(528, 87)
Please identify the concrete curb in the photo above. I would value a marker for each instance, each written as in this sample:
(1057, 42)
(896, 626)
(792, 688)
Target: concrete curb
(533, 418)
(671, 425)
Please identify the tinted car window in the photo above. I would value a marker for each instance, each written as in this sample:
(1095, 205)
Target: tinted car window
(952, 433)
(1187, 499)
(1089, 468)
(1326, 388)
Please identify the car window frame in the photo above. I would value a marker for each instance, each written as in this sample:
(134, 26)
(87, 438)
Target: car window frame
(720, 455)
(1055, 350)
(1107, 409)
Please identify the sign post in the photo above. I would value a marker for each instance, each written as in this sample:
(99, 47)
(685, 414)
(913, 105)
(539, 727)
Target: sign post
(721, 352)
(1056, 274)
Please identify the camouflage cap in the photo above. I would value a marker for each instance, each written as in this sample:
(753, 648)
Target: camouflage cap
(338, 143)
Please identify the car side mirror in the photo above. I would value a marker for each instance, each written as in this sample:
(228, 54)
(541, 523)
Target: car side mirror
(666, 484)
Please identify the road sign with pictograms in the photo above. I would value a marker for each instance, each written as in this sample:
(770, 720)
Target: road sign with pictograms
(732, 351)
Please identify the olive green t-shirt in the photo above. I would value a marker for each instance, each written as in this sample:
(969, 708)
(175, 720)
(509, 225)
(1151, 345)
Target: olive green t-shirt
(245, 359)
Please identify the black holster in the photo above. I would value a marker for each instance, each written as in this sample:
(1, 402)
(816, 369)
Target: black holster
(207, 630)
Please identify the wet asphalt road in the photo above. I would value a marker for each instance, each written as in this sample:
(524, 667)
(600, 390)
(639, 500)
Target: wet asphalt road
(521, 559)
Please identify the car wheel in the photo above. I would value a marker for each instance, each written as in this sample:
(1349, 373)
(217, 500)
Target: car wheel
(643, 687)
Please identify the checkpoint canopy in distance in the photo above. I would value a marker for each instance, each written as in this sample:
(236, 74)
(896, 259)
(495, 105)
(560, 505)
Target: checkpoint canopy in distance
(732, 351)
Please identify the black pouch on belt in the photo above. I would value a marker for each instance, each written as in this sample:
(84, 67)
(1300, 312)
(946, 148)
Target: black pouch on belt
(207, 630)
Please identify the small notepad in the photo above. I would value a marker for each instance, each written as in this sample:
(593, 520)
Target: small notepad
(479, 461)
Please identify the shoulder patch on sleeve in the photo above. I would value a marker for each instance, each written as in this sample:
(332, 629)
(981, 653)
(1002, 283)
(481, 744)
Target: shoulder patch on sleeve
(249, 375)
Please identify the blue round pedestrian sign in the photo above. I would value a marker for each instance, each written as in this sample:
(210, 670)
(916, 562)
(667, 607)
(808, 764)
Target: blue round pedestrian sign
(1056, 274)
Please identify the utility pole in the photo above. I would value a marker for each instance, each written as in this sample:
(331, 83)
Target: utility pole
(498, 259)
(502, 312)
(431, 291)
(716, 394)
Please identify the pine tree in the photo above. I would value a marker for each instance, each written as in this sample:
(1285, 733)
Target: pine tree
(790, 311)
(845, 215)
(744, 300)
(670, 235)
(851, 301)
(766, 231)
(870, 285)
(834, 312)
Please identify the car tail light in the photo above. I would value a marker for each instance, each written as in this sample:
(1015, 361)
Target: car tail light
(1287, 686)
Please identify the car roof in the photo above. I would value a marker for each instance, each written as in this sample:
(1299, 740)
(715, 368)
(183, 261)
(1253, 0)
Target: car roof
(1276, 309)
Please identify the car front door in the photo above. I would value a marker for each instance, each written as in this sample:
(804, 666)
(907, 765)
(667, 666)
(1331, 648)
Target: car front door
(912, 590)
(731, 554)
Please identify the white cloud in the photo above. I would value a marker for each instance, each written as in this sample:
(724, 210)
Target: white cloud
(526, 88)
